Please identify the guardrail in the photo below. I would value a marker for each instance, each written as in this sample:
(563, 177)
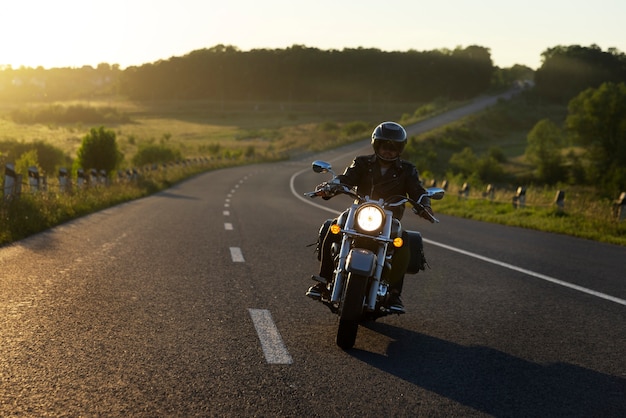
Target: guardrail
(38, 182)
(519, 198)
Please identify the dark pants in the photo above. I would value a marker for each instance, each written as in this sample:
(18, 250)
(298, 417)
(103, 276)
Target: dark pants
(399, 261)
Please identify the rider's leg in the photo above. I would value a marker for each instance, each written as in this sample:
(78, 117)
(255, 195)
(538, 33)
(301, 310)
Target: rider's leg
(399, 265)
(326, 261)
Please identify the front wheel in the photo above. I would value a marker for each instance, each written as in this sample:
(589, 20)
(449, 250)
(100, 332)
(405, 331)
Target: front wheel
(351, 310)
(346, 333)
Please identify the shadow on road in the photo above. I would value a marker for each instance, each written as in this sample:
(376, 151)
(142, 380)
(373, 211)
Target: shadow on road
(495, 382)
(171, 195)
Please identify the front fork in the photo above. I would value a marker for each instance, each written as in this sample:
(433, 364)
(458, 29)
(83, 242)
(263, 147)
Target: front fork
(340, 270)
(380, 265)
(341, 273)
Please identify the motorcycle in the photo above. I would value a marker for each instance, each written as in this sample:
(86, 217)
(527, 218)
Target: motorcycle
(367, 235)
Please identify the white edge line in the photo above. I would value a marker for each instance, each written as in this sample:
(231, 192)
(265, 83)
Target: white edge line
(530, 273)
(477, 256)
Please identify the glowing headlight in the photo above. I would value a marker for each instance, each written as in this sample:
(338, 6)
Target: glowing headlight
(369, 218)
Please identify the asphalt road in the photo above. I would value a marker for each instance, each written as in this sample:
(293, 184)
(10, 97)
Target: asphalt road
(191, 303)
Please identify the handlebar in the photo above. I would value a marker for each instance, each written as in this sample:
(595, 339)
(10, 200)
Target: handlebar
(332, 189)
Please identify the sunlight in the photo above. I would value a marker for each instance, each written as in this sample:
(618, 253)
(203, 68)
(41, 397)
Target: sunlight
(74, 33)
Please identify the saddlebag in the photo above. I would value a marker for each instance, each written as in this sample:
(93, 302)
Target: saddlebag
(416, 248)
(321, 235)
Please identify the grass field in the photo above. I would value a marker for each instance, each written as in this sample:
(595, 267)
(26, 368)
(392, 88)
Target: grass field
(195, 127)
(241, 133)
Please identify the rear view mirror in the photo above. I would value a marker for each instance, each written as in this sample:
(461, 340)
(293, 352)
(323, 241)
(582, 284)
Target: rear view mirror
(322, 167)
(436, 193)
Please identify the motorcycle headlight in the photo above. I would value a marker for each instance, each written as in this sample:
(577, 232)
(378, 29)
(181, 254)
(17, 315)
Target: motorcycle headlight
(370, 218)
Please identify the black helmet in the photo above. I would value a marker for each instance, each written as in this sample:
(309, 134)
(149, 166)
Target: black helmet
(390, 132)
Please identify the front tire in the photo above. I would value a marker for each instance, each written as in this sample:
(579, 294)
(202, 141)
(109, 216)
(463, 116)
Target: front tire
(346, 333)
(351, 310)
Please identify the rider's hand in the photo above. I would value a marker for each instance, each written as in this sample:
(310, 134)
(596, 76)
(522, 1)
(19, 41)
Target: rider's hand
(427, 213)
(325, 190)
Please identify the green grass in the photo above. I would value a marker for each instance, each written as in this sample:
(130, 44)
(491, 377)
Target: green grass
(272, 129)
(582, 216)
(36, 212)
(242, 133)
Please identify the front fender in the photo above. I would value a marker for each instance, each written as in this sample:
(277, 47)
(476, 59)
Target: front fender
(361, 261)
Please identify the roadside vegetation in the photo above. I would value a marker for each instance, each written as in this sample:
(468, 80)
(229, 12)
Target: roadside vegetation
(526, 145)
(541, 141)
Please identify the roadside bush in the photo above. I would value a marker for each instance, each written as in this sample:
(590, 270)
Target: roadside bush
(486, 168)
(155, 154)
(99, 150)
(47, 156)
(355, 128)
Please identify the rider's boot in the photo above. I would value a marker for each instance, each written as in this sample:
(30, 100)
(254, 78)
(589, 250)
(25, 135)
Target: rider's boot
(319, 289)
(394, 302)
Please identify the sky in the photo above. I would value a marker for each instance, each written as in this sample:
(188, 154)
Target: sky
(74, 33)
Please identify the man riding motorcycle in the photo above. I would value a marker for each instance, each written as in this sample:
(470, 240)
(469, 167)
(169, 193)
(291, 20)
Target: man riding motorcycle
(380, 175)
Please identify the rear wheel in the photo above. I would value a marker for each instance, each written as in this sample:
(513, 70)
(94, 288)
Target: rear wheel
(351, 310)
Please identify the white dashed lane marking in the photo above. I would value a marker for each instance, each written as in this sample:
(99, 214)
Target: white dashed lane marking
(271, 342)
(236, 255)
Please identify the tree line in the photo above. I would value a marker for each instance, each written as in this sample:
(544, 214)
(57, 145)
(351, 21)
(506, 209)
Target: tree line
(582, 142)
(589, 79)
(297, 73)
(302, 74)
(568, 70)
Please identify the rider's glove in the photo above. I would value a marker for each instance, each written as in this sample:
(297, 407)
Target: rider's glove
(326, 190)
(427, 213)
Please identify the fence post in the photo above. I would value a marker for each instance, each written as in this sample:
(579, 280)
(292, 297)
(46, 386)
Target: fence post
(63, 180)
(93, 177)
(519, 200)
(80, 180)
(10, 179)
(33, 179)
(619, 207)
(559, 200)
(490, 193)
(464, 192)
(102, 177)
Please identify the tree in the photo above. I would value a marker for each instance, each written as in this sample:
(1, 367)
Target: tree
(99, 150)
(545, 142)
(464, 162)
(50, 157)
(568, 70)
(26, 160)
(597, 121)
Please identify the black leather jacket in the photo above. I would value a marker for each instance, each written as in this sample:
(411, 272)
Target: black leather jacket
(400, 179)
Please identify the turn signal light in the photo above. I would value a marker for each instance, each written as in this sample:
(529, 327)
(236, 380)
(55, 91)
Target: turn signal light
(335, 229)
(398, 242)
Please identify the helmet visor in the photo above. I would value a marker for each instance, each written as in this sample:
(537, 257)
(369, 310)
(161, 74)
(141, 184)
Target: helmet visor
(390, 146)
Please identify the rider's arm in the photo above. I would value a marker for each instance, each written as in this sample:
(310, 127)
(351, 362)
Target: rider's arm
(415, 190)
(352, 173)
(349, 178)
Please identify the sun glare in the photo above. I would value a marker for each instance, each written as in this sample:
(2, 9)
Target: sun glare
(75, 33)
